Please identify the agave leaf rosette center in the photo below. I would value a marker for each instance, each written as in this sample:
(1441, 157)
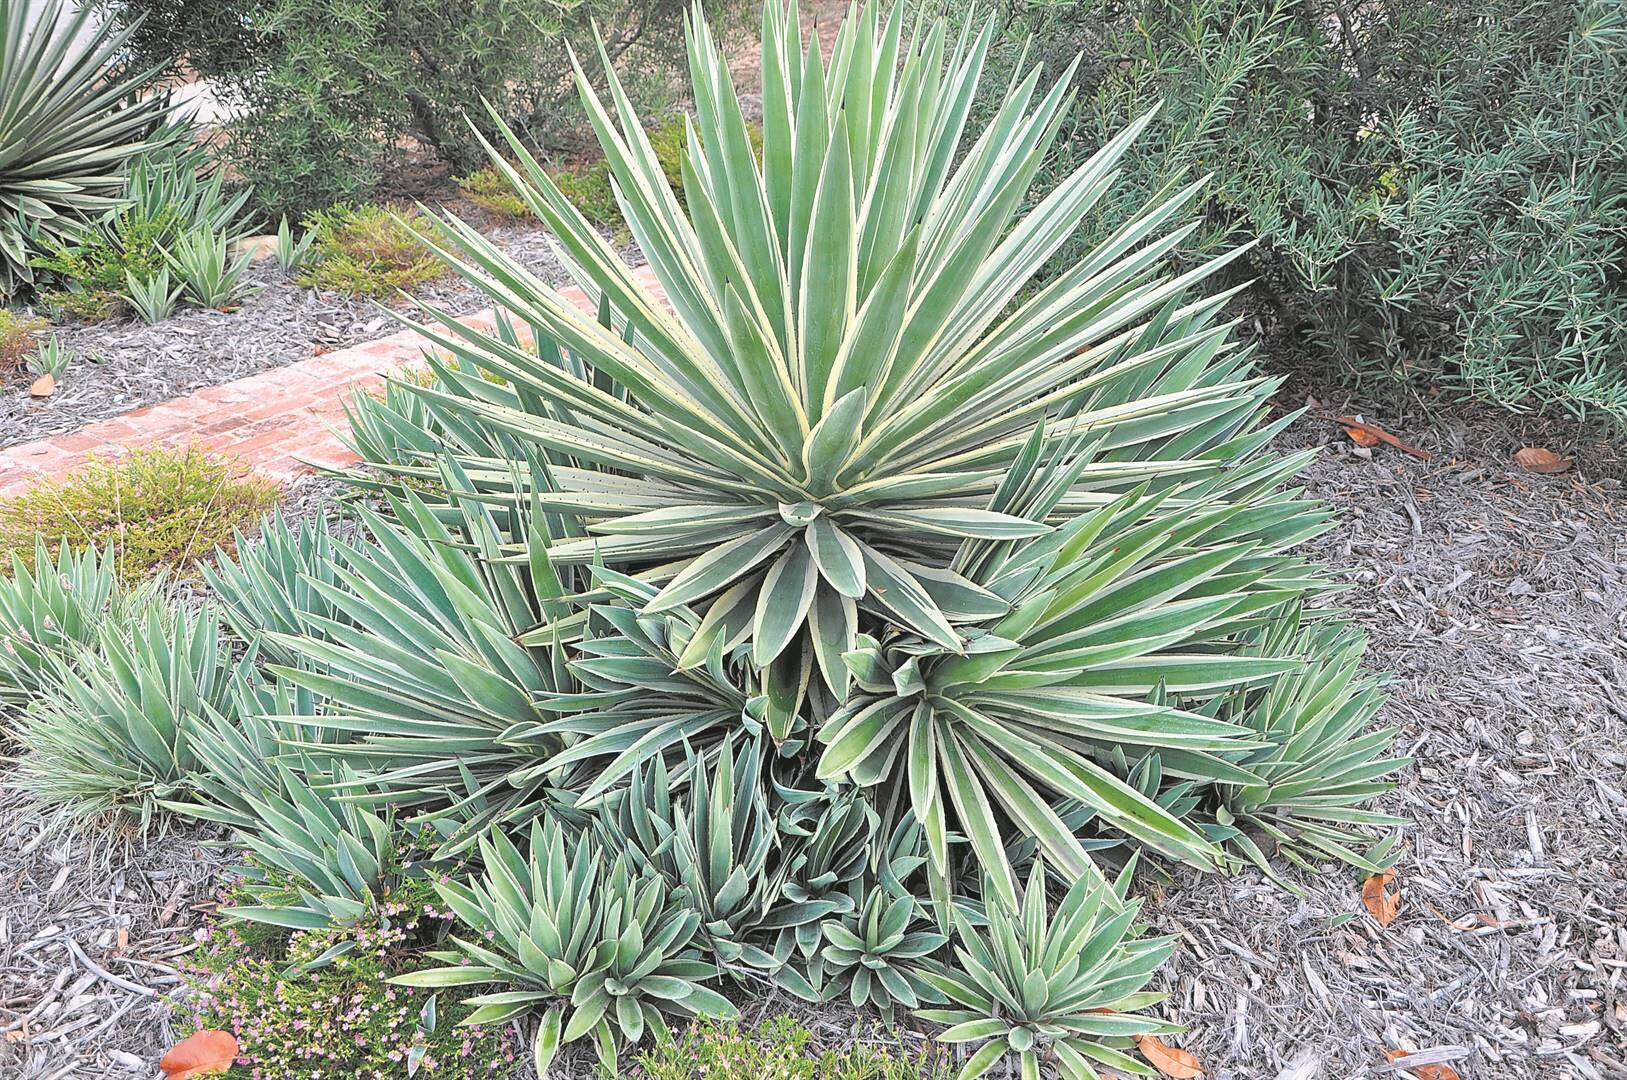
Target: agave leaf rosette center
(1117, 619)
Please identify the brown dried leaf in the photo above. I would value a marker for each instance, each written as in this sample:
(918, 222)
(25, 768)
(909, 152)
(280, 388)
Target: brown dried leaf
(1361, 436)
(1352, 424)
(44, 386)
(1424, 1072)
(204, 1053)
(1376, 896)
(1539, 459)
(1170, 1061)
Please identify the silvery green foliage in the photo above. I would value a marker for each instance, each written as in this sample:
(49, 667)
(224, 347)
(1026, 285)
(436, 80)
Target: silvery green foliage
(53, 607)
(152, 298)
(607, 950)
(204, 261)
(292, 255)
(275, 584)
(111, 734)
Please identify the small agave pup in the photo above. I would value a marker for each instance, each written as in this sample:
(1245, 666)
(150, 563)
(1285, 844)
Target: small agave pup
(606, 951)
(1063, 986)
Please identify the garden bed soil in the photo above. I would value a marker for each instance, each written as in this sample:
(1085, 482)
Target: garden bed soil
(125, 364)
(1497, 602)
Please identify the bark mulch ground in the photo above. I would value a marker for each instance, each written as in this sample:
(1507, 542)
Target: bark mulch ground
(1497, 601)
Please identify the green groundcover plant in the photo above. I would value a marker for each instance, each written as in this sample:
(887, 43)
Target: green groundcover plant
(153, 509)
(856, 622)
(327, 96)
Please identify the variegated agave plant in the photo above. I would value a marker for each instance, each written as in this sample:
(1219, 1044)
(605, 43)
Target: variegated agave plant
(858, 477)
(857, 568)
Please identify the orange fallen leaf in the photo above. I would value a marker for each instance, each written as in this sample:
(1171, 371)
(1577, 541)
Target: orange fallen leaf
(1376, 896)
(44, 386)
(1171, 1061)
(1351, 425)
(1539, 459)
(204, 1053)
(1424, 1072)
(1361, 436)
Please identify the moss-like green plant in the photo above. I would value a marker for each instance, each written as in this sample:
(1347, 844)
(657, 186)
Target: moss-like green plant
(782, 1048)
(487, 189)
(368, 250)
(588, 189)
(152, 509)
(85, 305)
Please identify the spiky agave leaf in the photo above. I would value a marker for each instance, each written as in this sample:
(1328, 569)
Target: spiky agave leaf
(72, 123)
(647, 693)
(1320, 762)
(112, 733)
(1141, 595)
(400, 434)
(606, 951)
(713, 840)
(846, 372)
(55, 606)
(242, 749)
(874, 955)
(831, 843)
(270, 584)
(320, 862)
(1064, 986)
(432, 699)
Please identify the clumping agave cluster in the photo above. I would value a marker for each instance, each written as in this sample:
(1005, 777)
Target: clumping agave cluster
(852, 619)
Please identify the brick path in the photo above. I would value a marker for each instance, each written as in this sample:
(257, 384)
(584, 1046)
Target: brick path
(279, 423)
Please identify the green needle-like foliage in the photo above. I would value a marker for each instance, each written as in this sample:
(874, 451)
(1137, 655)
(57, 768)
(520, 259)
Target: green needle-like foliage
(1064, 986)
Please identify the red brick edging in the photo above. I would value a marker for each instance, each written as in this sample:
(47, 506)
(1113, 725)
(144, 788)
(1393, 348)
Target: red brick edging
(279, 423)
